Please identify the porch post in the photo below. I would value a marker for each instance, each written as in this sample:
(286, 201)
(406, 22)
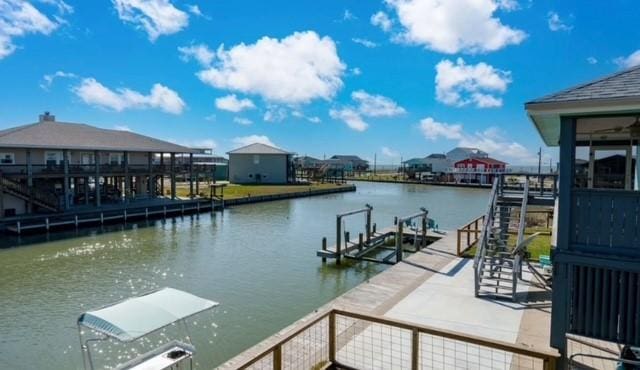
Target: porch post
(150, 184)
(1, 197)
(29, 181)
(173, 176)
(65, 164)
(127, 180)
(96, 161)
(162, 174)
(561, 271)
(86, 189)
(191, 175)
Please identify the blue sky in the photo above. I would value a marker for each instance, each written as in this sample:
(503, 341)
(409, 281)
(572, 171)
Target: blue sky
(398, 78)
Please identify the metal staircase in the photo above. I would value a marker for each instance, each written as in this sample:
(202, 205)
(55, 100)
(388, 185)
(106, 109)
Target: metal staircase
(497, 267)
(40, 198)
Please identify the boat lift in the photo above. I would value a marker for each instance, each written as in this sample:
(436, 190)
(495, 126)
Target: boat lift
(372, 240)
(135, 318)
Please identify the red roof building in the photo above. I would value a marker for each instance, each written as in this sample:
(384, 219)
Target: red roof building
(478, 170)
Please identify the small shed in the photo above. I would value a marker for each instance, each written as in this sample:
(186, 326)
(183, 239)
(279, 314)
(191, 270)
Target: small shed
(261, 164)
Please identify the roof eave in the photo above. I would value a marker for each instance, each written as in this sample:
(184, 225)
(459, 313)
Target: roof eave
(552, 111)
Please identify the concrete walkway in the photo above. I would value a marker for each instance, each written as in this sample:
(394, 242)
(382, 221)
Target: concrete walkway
(433, 287)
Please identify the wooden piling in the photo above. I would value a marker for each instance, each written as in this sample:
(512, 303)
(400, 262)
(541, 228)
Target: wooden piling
(360, 239)
(399, 235)
(324, 248)
(338, 239)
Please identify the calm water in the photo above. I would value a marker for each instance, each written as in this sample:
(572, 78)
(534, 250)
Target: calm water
(258, 261)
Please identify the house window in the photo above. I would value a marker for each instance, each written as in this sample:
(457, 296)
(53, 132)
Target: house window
(256, 159)
(52, 158)
(7, 158)
(116, 158)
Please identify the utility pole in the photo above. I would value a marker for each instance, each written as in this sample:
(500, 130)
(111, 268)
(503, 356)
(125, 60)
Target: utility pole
(374, 162)
(540, 161)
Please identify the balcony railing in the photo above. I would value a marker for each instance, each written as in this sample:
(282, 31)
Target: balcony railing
(90, 169)
(466, 170)
(358, 341)
(605, 221)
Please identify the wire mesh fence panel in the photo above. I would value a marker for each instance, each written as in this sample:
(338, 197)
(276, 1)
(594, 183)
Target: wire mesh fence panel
(265, 363)
(438, 352)
(366, 345)
(309, 349)
(587, 353)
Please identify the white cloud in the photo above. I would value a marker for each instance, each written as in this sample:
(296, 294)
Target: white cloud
(376, 105)
(367, 105)
(388, 152)
(556, 23)
(122, 128)
(629, 61)
(19, 18)
(296, 69)
(381, 19)
(508, 5)
(197, 143)
(356, 71)
(460, 84)
(592, 60)
(352, 118)
(155, 17)
(275, 113)
(50, 78)
(432, 129)
(364, 42)
(63, 8)
(299, 114)
(231, 103)
(195, 10)
(160, 97)
(348, 15)
(252, 139)
(242, 121)
(200, 52)
(492, 140)
(454, 26)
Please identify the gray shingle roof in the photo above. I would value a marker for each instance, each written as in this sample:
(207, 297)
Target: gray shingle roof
(78, 136)
(624, 84)
(258, 148)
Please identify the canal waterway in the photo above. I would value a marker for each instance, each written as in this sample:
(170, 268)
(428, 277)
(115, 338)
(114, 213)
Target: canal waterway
(257, 260)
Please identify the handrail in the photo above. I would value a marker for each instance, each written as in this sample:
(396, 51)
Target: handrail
(39, 195)
(548, 357)
(478, 261)
(468, 229)
(517, 263)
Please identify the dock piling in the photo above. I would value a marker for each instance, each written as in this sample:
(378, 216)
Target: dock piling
(399, 235)
(76, 220)
(360, 245)
(18, 227)
(101, 218)
(46, 223)
(324, 248)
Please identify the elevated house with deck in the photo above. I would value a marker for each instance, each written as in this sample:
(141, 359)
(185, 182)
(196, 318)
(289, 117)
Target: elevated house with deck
(596, 262)
(477, 170)
(58, 167)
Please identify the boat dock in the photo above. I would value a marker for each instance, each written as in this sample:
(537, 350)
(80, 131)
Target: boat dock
(406, 235)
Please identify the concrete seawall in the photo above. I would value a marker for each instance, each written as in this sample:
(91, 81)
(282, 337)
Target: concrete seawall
(299, 194)
(449, 184)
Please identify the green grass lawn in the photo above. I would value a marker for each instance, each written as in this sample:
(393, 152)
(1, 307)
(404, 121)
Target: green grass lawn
(233, 191)
(541, 245)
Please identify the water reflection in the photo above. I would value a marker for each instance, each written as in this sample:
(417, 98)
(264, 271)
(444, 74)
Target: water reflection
(258, 260)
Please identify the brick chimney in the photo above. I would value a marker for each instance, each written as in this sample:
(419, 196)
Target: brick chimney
(47, 117)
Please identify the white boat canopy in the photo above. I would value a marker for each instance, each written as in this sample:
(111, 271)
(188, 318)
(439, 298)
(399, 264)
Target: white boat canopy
(136, 317)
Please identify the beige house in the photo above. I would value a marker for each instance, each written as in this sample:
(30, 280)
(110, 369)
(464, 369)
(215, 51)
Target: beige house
(52, 166)
(261, 164)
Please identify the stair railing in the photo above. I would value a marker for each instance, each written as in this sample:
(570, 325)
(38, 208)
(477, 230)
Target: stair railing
(481, 251)
(517, 262)
(43, 197)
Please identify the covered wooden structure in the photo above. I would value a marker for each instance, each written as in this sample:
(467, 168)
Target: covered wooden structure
(596, 278)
